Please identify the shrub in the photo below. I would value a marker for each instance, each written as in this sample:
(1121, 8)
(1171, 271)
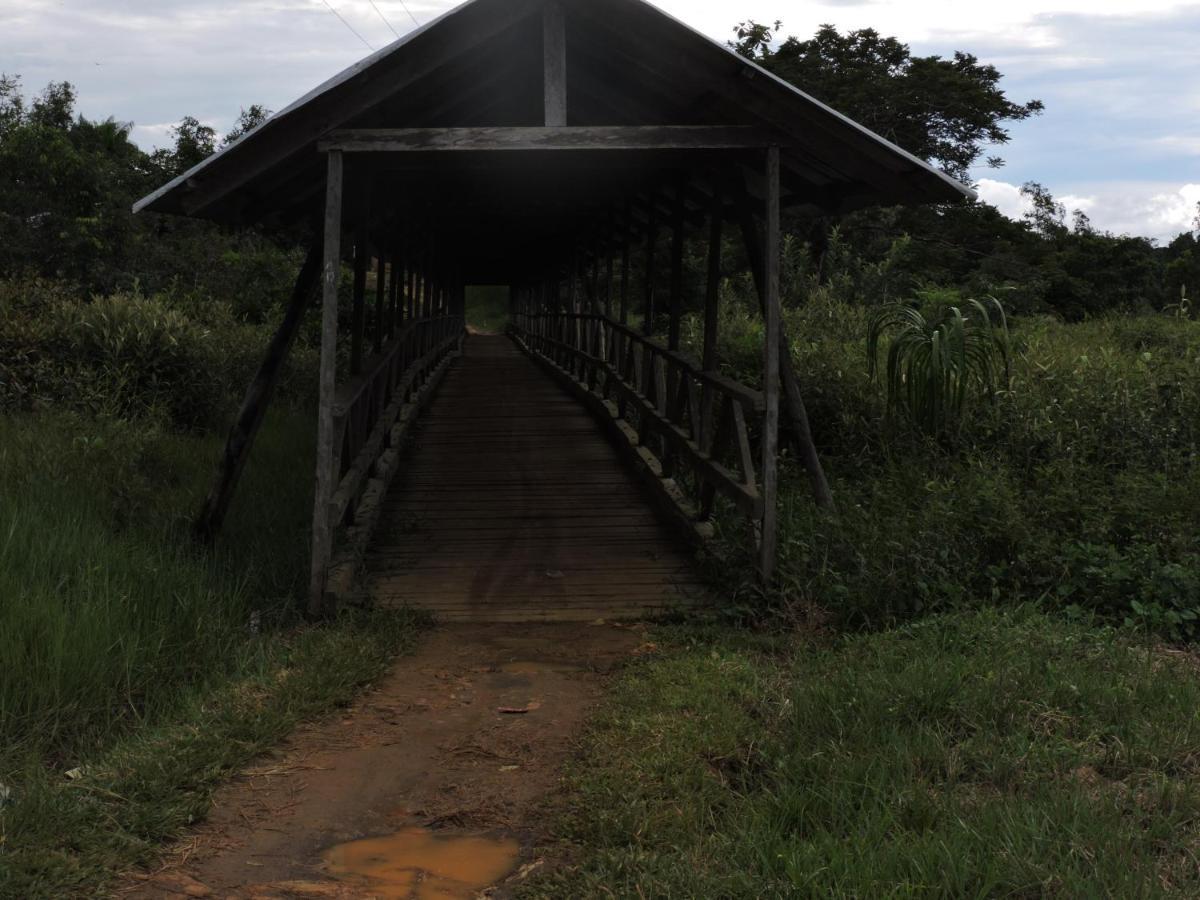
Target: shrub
(1079, 486)
(177, 357)
(145, 355)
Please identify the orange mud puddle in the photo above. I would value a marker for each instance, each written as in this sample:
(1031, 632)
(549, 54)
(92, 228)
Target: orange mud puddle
(416, 864)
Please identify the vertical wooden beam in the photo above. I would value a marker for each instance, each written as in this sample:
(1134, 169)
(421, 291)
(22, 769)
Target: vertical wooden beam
(797, 410)
(395, 287)
(258, 397)
(554, 62)
(573, 294)
(609, 238)
(627, 237)
(380, 297)
(676, 266)
(362, 255)
(712, 299)
(651, 242)
(772, 313)
(427, 281)
(322, 527)
(411, 265)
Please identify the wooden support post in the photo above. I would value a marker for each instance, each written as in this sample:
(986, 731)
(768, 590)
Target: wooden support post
(254, 407)
(712, 299)
(362, 254)
(573, 295)
(395, 288)
(651, 241)
(411, 265)
(380, 297)
(676, 266)
(772, 313)
(326, 480)
(608, 263)
(797, 411)
(554, 63)
(627, 238)
(427, 281)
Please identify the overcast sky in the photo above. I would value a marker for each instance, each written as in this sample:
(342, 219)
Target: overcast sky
(1120, 138)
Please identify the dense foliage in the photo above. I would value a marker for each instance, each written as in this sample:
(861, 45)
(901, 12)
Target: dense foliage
(67, 187)
(953, 112)
(1078, 486)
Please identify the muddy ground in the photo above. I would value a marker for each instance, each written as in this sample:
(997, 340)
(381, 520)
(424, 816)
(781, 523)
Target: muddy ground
(434, 784)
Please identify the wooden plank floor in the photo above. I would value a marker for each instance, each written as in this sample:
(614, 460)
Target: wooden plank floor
(512, 507)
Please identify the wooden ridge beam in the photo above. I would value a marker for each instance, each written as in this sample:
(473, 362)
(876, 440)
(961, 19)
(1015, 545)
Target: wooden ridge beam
(548, 138)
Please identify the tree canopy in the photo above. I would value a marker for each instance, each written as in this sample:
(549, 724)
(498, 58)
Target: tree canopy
(947, 111)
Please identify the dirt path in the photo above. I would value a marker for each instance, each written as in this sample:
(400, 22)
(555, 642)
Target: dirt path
(429, 786)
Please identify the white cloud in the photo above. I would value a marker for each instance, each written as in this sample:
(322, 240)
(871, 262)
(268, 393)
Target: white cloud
(1004, 196)
(1014, 21)
(1175, 211)
(1139, 208)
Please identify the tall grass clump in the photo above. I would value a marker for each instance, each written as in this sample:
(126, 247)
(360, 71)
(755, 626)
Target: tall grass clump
(106, 608)
(933, 366)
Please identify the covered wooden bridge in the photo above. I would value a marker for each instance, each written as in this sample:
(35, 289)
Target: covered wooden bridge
(568, 149)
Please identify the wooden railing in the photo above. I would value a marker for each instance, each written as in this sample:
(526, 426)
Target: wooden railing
(372, 414)
(695, 424)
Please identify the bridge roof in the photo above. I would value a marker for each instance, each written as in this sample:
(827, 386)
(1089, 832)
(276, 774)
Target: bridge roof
(481, 64)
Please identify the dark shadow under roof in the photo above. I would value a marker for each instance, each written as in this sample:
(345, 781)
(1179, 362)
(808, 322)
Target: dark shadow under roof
(480, 64)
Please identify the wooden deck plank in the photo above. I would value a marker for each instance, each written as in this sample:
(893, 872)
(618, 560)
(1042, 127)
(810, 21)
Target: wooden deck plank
(512, 506)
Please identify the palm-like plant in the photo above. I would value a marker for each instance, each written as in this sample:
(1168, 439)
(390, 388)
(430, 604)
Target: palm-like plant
(933, 365)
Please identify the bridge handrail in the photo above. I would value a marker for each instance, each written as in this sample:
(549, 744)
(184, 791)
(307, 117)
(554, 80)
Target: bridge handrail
(368, 406)
(689, 418)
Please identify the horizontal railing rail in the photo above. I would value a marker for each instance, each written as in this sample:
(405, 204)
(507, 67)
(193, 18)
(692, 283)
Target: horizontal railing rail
(367, 408)
(694, 422)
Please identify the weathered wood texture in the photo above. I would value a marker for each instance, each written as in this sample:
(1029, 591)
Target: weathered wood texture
(555, 138)
(554, 62)
(325, 482)
(512, 506)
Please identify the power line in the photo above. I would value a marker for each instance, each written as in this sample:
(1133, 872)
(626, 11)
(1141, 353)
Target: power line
(348, 25)
(410, 13)
(382, 16)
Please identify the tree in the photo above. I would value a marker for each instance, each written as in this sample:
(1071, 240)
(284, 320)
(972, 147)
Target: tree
(946, 111)
(247, 121)
(194, 143)
(1046, 215)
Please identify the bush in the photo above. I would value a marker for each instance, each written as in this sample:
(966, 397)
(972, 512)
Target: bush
(1080, 486)
(173, 357)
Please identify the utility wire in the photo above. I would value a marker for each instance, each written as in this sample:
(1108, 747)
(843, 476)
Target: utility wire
(382, 16)
(348, 25)
(410, 13)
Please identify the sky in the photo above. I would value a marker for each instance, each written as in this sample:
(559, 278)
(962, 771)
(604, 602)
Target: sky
(1120, 138)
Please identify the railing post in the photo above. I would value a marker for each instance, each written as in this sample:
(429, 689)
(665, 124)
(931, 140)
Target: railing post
(380, 299)
(768, 536)
(361, 258)
(651, 240)
(322, 528)
(712, 297)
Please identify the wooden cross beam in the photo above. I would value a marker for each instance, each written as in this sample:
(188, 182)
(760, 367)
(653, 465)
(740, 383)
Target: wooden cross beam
(549, 138)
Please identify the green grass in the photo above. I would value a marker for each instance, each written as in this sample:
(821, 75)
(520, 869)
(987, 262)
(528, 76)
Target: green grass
(63, 836)
(105, 604)
(981, 754)
(130, 654)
